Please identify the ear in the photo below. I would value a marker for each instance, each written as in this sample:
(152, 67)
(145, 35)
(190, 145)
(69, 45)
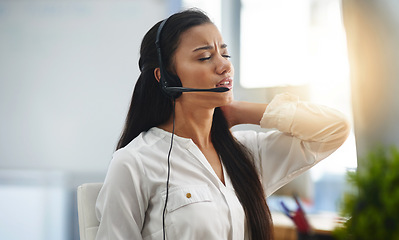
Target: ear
(157, 74)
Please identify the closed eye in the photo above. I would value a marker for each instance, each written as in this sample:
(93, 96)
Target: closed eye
(208, 58)
(204, 59)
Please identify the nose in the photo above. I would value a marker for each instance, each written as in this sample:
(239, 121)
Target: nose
(223, 65)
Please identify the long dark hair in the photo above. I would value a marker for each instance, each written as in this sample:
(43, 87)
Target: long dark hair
(150, 107)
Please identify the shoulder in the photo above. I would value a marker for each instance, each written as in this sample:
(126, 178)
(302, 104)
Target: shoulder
(143, 150)
(139, 145)
(143, 143)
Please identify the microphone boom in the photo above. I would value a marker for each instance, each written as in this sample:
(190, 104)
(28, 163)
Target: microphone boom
(183, 89)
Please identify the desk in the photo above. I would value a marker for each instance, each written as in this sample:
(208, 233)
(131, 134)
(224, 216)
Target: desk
(284, 228)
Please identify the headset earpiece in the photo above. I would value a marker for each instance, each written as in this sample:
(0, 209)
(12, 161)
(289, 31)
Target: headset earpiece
(167, 80)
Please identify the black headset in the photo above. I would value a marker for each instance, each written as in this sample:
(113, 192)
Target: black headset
(171, 84)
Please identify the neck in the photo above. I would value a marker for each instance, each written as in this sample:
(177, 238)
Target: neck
(192, 123)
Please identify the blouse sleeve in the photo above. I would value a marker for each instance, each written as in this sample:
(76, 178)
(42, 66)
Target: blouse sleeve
(301, 135)
(121, 204)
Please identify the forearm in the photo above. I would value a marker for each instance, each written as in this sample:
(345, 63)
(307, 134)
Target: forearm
(245, 112)
(306, 121)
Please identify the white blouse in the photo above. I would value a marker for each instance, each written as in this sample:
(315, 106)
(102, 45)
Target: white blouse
(200, 206)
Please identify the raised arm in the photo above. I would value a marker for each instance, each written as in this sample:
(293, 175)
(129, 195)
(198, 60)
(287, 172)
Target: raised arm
(306, 133)
(239, 112)
(309, 122)
(306, 121)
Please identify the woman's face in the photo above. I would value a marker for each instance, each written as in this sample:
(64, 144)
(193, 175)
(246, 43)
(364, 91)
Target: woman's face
(202, 61)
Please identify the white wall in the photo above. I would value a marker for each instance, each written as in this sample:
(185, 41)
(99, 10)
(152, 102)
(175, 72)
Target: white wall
(67, 71)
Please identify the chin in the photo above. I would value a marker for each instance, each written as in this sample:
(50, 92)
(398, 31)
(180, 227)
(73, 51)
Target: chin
(228, 98)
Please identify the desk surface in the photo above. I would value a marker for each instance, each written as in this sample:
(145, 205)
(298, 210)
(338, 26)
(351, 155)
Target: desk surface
(323, 223)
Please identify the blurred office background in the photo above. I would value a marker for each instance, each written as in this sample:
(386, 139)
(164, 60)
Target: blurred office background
(68, 68)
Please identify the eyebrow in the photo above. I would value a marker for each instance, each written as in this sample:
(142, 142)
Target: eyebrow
(208, 47)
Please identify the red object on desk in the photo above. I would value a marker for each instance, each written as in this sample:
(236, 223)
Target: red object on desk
(298, 217)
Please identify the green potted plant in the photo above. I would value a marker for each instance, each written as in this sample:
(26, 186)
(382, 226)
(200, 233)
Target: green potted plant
(372, 204)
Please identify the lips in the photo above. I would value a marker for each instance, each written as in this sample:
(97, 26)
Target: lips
(227, 83)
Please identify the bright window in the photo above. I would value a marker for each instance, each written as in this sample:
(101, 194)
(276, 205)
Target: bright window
(299, 43)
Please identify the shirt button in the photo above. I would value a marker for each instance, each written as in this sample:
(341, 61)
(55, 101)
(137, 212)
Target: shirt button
(188, 195)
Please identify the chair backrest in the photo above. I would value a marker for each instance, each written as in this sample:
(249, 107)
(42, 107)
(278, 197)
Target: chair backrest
(88, 223)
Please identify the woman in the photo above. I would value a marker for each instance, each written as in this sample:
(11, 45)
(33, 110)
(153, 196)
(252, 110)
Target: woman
(179, 173)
